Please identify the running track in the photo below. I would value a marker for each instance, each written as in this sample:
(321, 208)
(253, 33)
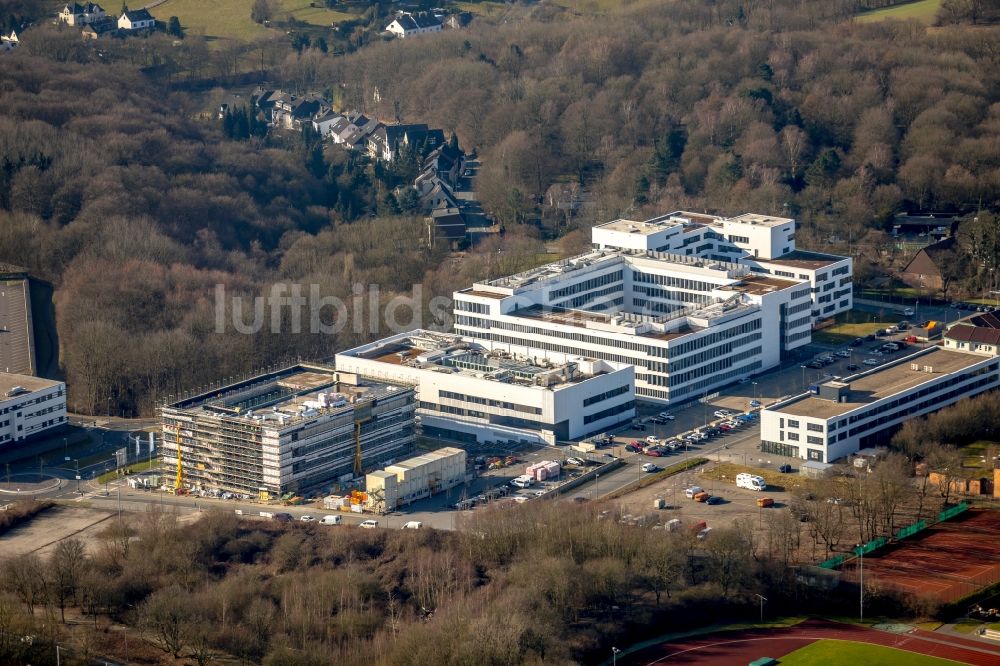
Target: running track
(741, 647)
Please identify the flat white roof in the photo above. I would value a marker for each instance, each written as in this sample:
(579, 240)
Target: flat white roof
(29, 383)
(756, 220)
(884, 383)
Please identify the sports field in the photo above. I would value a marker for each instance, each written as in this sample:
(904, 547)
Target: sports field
(846, 653)
(946, 562)
(819, 642)
(921, 10)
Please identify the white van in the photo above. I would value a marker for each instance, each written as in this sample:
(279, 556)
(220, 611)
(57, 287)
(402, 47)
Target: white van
(750, 481)
(692, 491)
(412, 525)
(369, 524)
(523, 481)
(330, 520)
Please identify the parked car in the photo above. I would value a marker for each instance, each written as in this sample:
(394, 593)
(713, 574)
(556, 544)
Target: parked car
(714, 499)
(908, 312)
(701, 497)
(785, 469)
(732, 423)
(857, 342)
(724, 428)
(283, 517)
(853, 367)
(656, 420)
(633, 448)
(578, 461)
(844, 353)
(652, 439)
(722, 413)
(815, 365)
(692, 491)
(650, 467)
(638, 427)
(412, 525)
(754, 404)
(369, 524)
(331, 520)
(666, 416)
(764, 502)
(654, 452)
(871, 361)
(307, 519)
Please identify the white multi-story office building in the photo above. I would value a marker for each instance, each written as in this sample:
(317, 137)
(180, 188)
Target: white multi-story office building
(689, 324)
(29, 406)
(765, 244)
(837, 418)
(472, 393)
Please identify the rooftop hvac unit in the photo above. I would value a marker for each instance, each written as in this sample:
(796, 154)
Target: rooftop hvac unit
(914, 366)
(928, 369)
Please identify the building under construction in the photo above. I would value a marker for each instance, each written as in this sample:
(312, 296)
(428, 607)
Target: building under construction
(292, 431)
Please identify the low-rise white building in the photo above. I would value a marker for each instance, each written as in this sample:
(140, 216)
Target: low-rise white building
(408, 25)
(81, 13)
(29, 406)
(979, 334)
(837, 418)
(136, 19)
(470, 393)
(415, 478)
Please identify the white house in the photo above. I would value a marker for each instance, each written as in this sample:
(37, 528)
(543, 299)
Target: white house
(9, 42)
(81, 14)
(136, 19)
(471, 394)
(408, 25)
(29, 406)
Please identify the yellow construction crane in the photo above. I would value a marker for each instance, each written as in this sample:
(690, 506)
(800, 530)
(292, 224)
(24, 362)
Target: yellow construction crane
(178, 482)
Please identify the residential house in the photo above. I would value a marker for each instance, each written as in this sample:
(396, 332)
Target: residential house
(323, 122)
(291, 111)
(9, 42)
(979, 334)
(438, 196)
(81, 14)
(408, 25)
(446, 163)
(446, 225)
(927, 269)
(136, 19)
(458, 20)
(564, 196)
(104, 27)
(385, 141)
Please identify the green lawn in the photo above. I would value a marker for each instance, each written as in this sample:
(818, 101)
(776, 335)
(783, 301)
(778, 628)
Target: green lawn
(972, 454)
(230, 19)
(847, 653)
(850, 325)
(921, 10)
(135, 467)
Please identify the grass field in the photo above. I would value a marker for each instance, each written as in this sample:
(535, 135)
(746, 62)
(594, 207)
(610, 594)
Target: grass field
(230, 19)
(973, 454)
(726, 472)
(921, 10)
(850, 325)
(847, 653)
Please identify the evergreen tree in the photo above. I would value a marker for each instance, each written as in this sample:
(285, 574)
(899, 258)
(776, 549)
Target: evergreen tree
(174, 27)
(315, 162)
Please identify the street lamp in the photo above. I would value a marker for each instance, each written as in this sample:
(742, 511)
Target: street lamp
(614, 656)
(861, 583)
(762, 600)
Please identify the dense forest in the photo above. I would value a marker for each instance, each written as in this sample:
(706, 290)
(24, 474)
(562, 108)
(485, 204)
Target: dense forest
(119, 184)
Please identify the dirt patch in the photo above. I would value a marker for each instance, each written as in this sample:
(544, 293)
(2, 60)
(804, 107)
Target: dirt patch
(45, 530)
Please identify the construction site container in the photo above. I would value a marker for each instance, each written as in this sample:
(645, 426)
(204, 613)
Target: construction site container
(333, 502)
(659, 503)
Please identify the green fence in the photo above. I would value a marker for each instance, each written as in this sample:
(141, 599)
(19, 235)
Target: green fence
(961, 507)
(907, 531)
(910, 530)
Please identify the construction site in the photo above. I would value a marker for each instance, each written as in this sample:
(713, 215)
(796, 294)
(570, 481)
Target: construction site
(294, 431)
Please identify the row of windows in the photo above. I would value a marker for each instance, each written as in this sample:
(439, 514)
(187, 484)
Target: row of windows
(841, 293)
(646, 306)
(795, 309)
(670, 281)
(840, 270)
(576, 302)
(739, 239)
(607, 395)
(563, 349)
(610, 411)
(714, 352)
(715, 380)
(677, 378)
(682, 296)
(801, 293)
(587, 285)
(795, 337)
(786, 274)
(478, 322)
(488, 402)
(32, 401)
(604, 341)
(469, 306)
(715, 338)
